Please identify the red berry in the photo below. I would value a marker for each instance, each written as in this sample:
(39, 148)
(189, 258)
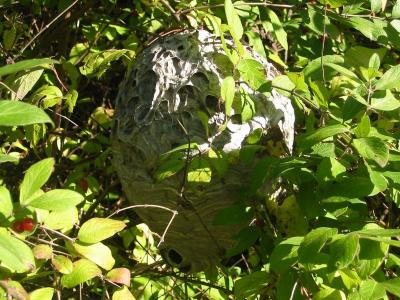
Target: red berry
(18, 226)
(28, 224)
(84, 184)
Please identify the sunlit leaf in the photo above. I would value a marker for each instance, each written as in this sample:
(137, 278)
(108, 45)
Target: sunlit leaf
(35, 177)
(16, 113)
(98, 229)
(83, 271)
(15, 254)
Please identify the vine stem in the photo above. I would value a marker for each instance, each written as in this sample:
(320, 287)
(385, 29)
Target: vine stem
(174, 213)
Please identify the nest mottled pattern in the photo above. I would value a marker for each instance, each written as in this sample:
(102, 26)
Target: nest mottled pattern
(157, 110)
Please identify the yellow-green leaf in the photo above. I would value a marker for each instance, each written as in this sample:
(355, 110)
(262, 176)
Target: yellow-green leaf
(98, 229)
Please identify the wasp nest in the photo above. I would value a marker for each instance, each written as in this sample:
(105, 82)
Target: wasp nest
(171, 98)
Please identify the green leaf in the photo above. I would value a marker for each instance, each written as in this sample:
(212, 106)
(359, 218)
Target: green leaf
(372, 148)
(228, 93)
(396, 10)
(98, 253)
(313, 243)
(392, 286)
(6, 204)
(252, 72)
(199, 170)
(278, 30)
(343, 251)
(384, 100)
(379, 232)
(57, 200)
(123, 294)
(314, 68)
(285, 254)
(235, 25)
(25, 65)
(35, 177)
(16, 113)
(328, 169)
(172, 164)
(63, 219)
(98, 229)
(7, 158)
(306, 141)
(70, 100)
(24, 83)
(389, 80)
(343, 70)
(42, 294)
(15, 254)
(371, 290)
(49, 95)
(62, 264)
(96, 64)
(359, 56)
(327, 293)
(244, 240)
(371, 29)
(83, 271)
(363, 128)
(235, 214)
(251, 284)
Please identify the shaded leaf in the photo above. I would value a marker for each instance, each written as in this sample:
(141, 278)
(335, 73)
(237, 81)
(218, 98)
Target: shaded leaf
(251, 284)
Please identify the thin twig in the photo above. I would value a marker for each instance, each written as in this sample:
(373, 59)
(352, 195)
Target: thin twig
(59, 80)
(143, 206)
(46, 27)
(323, 46)
(10, 89)
(72, 240)
(174, 213)
(294, 290)
(171, 9)
(166, 229)
(66, 118)
(263, 4)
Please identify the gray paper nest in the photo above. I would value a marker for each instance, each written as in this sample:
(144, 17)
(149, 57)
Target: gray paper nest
(157, 110)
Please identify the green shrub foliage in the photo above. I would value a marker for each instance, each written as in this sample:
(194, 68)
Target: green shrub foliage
(331, 234)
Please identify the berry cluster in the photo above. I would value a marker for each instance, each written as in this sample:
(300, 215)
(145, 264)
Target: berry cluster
(27, 224)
